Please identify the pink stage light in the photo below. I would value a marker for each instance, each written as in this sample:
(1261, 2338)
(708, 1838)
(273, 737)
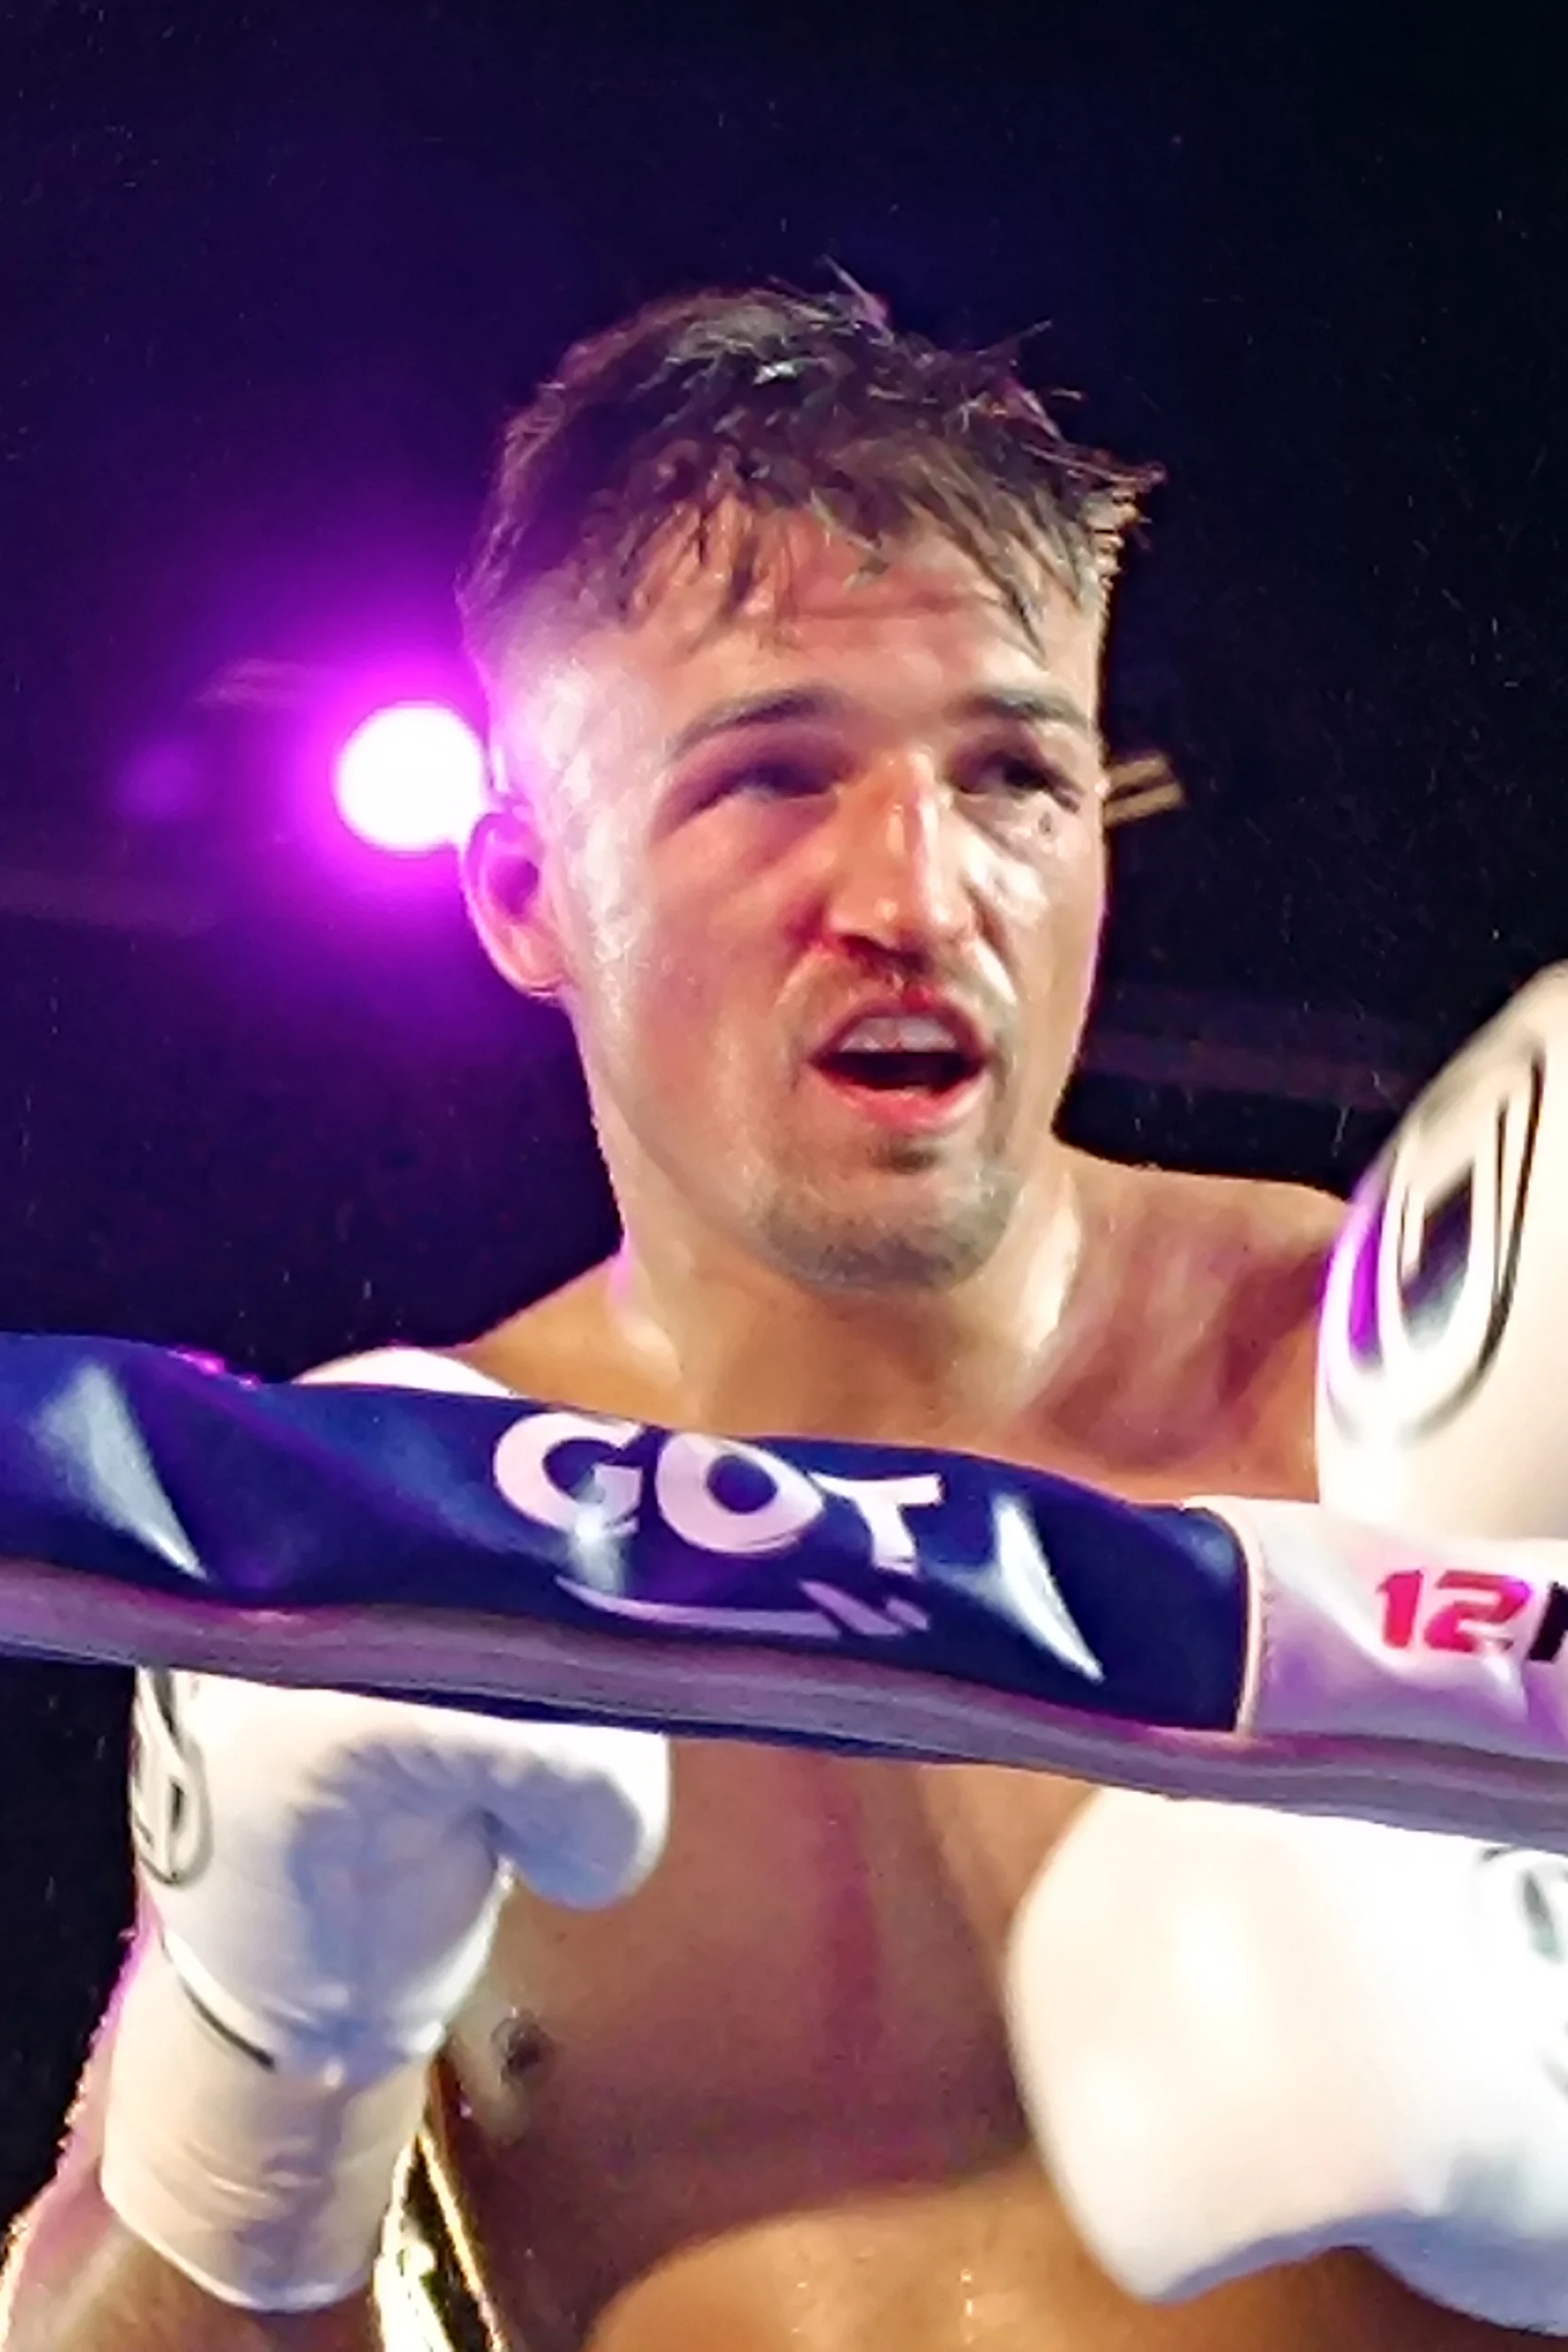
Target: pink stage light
(411, 778)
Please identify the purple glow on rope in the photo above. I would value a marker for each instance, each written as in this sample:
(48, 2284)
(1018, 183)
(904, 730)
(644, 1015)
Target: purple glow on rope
(411, 778)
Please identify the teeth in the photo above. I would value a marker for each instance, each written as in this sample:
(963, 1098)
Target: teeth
(898, 1034)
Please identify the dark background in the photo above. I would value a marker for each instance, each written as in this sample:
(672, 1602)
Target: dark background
(269, 276)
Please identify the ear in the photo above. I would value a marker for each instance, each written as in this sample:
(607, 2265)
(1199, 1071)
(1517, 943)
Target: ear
(504, 884)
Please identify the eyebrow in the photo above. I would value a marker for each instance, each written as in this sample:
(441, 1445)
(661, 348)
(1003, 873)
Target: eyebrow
(1031, 705)
(1037, 705)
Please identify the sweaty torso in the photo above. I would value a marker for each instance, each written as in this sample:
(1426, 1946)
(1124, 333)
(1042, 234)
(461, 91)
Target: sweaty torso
(766, 2105)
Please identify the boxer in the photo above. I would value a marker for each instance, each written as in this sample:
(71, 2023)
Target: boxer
(792, 629)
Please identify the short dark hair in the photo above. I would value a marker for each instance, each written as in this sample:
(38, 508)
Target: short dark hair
(768, 401)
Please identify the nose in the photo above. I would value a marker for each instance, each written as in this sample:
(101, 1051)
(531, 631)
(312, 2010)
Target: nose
(899, 881)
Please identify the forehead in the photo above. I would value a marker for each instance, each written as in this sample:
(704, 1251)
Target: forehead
(921, 631)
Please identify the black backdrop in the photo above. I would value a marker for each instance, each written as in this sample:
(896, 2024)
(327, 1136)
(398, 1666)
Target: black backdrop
(267, 275)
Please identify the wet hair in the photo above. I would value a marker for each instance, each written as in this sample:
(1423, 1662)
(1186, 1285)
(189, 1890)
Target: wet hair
(753, 404)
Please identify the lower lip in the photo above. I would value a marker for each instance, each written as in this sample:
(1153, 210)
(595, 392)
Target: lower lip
(907, 1110)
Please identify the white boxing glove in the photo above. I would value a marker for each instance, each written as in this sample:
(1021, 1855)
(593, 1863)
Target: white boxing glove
(1441, 1358)
(1246, 2037)
(324, 1875)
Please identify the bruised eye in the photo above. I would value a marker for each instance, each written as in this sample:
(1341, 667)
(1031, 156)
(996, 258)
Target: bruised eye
(1024, 775)
(776, 778)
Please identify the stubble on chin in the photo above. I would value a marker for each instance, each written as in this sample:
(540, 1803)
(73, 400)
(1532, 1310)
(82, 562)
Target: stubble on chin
(828, 1245)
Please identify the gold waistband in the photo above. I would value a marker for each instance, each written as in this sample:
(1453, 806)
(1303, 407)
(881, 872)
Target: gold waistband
(430, 2289)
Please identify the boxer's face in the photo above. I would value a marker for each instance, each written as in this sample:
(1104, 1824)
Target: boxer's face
(862, 801)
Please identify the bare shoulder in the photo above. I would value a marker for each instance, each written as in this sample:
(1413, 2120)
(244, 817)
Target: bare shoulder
(566, 1350)
(1210, 1291)
(555, 1351)
(1269, 1223)
(1232, 1225)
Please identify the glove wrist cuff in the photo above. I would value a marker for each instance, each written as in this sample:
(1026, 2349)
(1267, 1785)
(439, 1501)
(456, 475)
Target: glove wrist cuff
(268, 2190)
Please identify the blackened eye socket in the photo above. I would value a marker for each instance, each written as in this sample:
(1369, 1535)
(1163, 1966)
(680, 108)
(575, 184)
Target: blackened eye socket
(1023, 775)
(778, 778)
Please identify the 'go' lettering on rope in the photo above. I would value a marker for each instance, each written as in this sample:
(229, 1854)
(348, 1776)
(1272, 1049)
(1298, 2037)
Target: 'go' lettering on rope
(738, 1501)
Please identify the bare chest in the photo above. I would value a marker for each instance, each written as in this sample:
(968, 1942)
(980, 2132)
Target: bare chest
(786, 2048)
(793, 2025)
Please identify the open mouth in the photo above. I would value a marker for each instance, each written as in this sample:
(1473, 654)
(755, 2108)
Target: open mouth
(895, 1071)
(903, 1054)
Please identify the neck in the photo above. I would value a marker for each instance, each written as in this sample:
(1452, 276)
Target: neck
(749, 1351)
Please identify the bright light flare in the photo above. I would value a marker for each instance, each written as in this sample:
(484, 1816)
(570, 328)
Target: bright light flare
(411, 778)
